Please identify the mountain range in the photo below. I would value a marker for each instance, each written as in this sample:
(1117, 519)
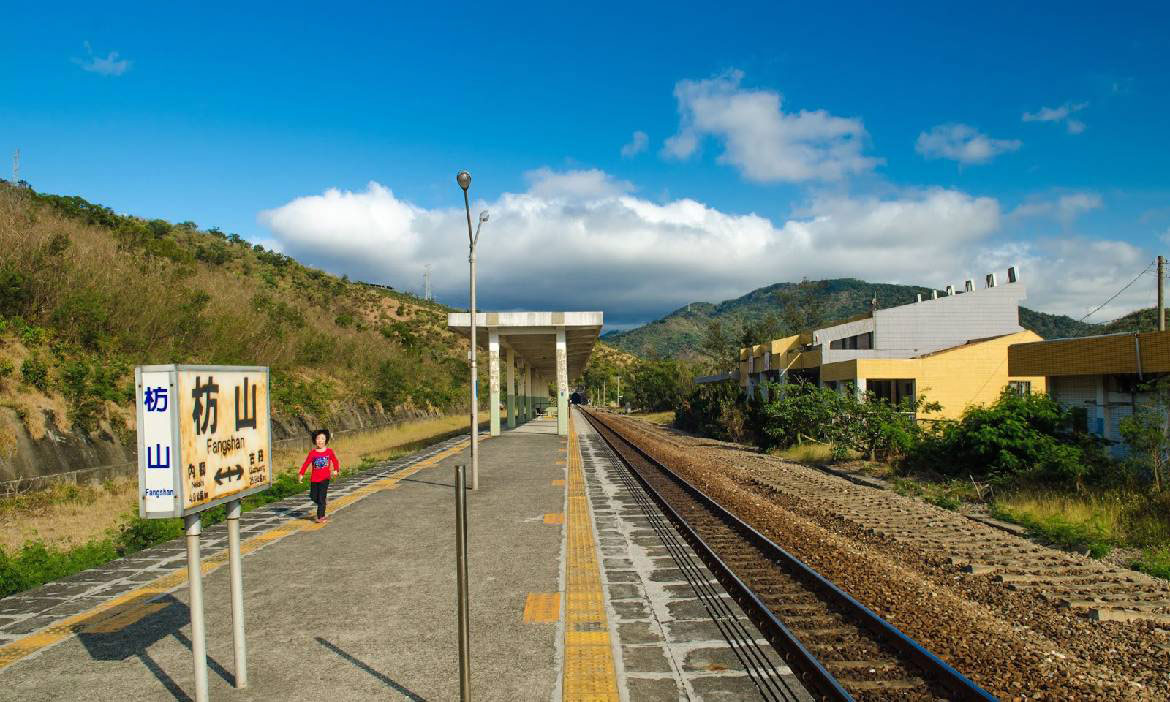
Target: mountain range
(680, 333)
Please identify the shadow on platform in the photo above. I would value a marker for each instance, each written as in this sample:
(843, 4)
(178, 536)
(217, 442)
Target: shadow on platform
(384, 679)
(130, 633)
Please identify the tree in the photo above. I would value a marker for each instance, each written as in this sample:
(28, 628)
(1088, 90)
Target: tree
(803, 305)
(720, 345)
(762, 331)
(659, 385)
(1146, 430)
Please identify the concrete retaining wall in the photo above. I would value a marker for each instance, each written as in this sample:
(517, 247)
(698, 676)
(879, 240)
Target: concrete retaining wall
(27, 463)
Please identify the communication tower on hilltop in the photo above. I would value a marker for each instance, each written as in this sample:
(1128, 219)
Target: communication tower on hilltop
(427, 282)
(16, 166)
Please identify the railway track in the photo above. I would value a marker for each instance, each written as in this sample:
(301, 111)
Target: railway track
(841, 649)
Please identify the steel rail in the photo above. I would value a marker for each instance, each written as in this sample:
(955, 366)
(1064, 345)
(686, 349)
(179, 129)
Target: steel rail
(812, 672)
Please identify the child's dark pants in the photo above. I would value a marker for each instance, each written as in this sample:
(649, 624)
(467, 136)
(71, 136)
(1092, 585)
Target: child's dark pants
(317, 492)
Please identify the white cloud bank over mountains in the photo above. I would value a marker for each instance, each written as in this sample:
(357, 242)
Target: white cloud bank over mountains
(581, 240)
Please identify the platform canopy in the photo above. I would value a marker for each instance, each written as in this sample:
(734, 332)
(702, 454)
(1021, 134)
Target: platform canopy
(544, 346)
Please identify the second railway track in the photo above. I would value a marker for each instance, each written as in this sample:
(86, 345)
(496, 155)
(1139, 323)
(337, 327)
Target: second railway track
(840, 649)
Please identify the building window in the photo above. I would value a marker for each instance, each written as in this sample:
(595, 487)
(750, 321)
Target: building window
(1020, 387)
(857, 341)
(892, 391)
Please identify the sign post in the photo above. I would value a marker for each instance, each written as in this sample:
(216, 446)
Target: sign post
(240, 645)
(193, 528)
(204, 439)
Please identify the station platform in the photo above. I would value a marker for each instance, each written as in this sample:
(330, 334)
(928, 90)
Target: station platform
(579, 590)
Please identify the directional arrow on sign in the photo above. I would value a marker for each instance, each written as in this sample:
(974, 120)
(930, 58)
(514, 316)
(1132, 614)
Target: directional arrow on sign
(233, 474)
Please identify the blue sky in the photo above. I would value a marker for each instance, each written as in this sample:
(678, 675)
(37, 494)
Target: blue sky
(918, 145)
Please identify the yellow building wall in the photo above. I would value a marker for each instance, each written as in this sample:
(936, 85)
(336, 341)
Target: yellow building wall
(957, 378)
(1094, 355)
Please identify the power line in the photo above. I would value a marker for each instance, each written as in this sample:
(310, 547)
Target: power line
(1127, 286)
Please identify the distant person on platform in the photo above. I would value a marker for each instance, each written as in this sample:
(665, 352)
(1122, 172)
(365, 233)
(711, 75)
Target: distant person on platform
(323, 460)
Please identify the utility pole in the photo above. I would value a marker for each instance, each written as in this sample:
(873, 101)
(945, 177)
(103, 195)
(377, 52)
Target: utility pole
(1161, 294)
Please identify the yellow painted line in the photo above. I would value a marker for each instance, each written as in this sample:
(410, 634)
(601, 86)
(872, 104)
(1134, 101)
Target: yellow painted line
(121, 621)
(558, 483)
(554, 518)
(135, 604)
(560, 463)
(589, 674)
(541, 607)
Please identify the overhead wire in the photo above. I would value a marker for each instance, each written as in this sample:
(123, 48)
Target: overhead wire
(1115, 295)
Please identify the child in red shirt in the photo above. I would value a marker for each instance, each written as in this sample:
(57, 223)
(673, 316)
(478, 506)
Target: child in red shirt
(322, 459)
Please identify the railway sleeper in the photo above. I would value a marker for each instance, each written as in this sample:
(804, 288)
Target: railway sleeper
(1135, 605)
(1127, 615)
(1045, 579)
(870, 685)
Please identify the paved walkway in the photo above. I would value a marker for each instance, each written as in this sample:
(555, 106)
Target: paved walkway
(580, 590)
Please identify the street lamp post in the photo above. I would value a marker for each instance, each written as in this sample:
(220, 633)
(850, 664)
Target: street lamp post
(464, 180)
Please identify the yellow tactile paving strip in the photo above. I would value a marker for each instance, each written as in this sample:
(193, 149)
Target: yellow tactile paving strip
(119, 612)
(554, 518)
(542, 607)
(589, 674)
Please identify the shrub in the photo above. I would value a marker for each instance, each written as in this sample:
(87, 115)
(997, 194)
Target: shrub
(712, 409)
(85, 317)
(36, 564)
(1019, 437)
(14, 292)
(390, 386)
(659, 385)
(34, 372)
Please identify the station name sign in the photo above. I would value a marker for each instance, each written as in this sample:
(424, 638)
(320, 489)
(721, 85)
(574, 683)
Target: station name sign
(204, 437)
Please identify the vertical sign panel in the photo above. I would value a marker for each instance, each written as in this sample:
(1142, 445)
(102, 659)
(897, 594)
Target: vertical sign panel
(158, 455)
(224, 432)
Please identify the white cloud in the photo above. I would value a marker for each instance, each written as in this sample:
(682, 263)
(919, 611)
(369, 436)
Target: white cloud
(1062, 114)
(637, 145)
(111, 65)
(962, 143)
(574, 185)
(765, 143)
(1066, 208)
(1073, 275)
(637, 259)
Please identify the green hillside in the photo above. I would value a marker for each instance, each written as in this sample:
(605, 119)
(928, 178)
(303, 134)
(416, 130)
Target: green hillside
(86, 294)
(785, 308)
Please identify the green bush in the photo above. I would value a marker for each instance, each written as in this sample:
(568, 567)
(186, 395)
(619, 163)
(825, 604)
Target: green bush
(84, 316)
(390, 384)
(659, 385)
(36, 564)
(713, 409)
(804, 412)
(15, 293)
(35, 372)
(1018, 438)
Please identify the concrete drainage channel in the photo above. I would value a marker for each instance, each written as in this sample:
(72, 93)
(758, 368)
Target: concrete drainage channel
(680, 635)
